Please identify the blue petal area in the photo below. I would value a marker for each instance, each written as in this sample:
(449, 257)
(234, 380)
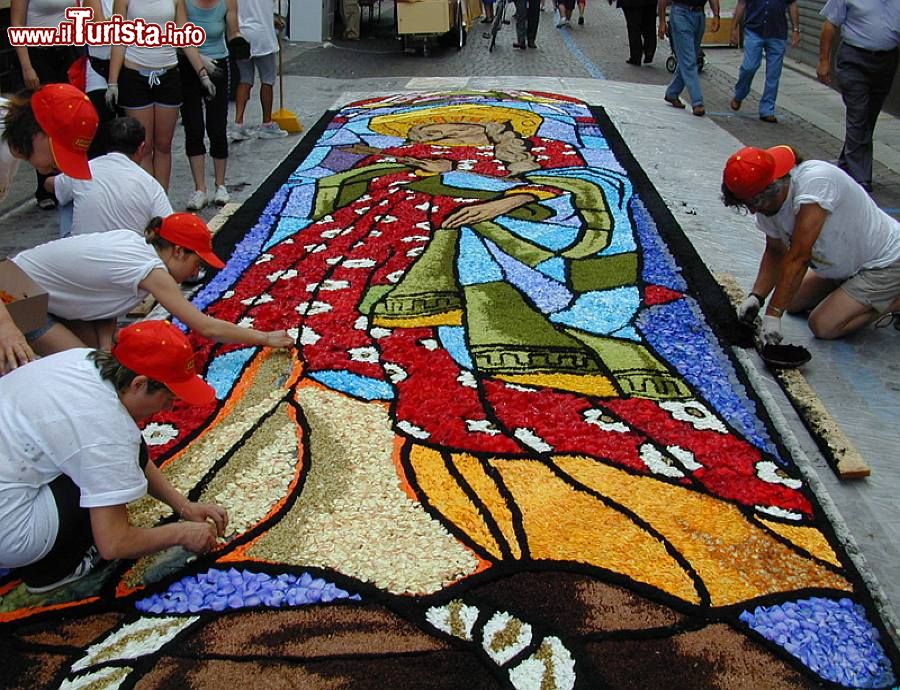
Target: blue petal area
(224, 370)
(316, 173)
(468, 180)
(453, 340)
(358, 386)
(548, 235)
(316, 156)
(594, 142)
(600, 158)
(627, 333)
(601, 311)
(680, 335)
(832, 638)
(339, 136)
(380, 141)
(547, 295)
(555, 129)
(287, 227)
(300, 201)
(221, 590)
(564, 211)
(475, 264)
(555, 268)
(658, 264)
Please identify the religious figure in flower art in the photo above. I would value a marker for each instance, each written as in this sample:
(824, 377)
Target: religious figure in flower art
(499, 370)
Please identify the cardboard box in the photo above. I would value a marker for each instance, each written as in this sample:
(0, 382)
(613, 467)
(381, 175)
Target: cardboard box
(424, 16)
(29, 306)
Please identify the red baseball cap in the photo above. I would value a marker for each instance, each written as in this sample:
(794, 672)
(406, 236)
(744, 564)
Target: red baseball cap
(751, 170)
(158, 350)
(191, 232)
(70, 121)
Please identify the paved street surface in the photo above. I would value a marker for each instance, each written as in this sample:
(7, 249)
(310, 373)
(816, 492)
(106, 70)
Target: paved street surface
(858, 379)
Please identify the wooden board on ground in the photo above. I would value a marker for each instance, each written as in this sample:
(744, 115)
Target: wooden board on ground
(834, 445)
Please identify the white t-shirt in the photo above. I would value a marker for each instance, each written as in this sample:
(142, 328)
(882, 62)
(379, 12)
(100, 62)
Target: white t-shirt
(8, 163)
(856, 234)
(92, 277)
(57, 416)
(256, 22)
(157, 12)
(119, 195)
(46, 12)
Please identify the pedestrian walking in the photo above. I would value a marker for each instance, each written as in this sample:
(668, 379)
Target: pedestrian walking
(765, 33)
(640, 22)
(528, 16)
(686, 24)
(865, 68)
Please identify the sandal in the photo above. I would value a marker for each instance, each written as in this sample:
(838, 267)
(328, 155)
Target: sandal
(674, 102)
(735, 104)
(699, 110)
(47, 203)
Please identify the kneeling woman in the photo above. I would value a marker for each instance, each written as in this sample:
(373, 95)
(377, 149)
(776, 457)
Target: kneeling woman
(94, 279)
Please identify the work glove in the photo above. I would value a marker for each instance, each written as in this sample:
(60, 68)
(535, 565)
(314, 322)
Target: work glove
(749, 308)
(112, 96)
(770, 331)
(212, 69)
(208, 86)
(239, 48)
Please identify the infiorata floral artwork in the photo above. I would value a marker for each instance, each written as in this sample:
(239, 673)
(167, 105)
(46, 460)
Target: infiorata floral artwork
(509, 449)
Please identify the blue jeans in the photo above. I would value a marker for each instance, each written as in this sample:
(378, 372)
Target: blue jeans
(754, 47)
(687, 28)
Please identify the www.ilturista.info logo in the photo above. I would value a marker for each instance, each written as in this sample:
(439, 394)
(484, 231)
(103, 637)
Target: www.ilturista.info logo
(82, 30)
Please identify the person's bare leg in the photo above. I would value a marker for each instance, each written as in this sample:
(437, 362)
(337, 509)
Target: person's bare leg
(241, 96)
(265, 100)
(839, 315)
(812, 291)
(56, 339)
(145, 117)
(219, 167)
(198, 171)
(165, 121)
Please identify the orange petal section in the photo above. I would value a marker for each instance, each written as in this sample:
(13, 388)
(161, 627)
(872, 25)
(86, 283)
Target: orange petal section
(807, 538)
(473, 472)
(736, 559)
(563, 523)
(447, 497)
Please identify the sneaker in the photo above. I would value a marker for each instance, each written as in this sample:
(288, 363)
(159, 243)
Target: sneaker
(270, 130)
(239, 132)
(89, 561)
(197, 201)
(222, 197)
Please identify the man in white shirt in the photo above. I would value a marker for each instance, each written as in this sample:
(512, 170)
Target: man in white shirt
(119, 195)
(829, 248)
(72, 457)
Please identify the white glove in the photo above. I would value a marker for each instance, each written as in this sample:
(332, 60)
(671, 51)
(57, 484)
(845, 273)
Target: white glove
(112, 95)
(208, 86)
(770, 332)
(749, 308)
(212, 69)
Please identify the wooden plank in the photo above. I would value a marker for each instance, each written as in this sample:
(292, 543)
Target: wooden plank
(836, 448)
